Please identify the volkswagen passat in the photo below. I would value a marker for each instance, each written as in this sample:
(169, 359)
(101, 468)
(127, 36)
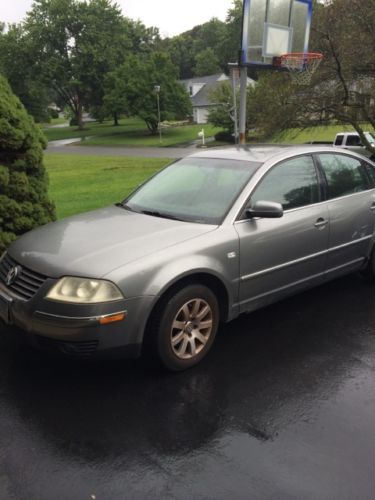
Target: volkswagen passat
(209, 237)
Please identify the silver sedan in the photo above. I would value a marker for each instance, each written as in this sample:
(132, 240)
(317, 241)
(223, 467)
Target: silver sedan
(214, 235)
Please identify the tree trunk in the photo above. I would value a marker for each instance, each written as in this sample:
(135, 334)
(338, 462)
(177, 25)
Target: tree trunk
(152, 126)
(79, 116)
(115, 119)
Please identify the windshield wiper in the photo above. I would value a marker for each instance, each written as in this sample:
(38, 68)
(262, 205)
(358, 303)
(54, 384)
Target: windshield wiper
(124, 206)
(155, 213)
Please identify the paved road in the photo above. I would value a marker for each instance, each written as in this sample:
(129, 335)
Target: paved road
(283, 408)
(123, 151)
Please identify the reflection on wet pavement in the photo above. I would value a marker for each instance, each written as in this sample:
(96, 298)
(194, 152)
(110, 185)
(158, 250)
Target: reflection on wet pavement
(282, 408)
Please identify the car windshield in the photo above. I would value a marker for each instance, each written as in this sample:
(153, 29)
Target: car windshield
(370, 137)
(193, 189)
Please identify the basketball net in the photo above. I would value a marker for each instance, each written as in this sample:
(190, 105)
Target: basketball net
(301, 65)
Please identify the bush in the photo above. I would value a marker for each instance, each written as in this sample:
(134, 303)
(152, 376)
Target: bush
(224, 136)
(24, 203)
(53, 113)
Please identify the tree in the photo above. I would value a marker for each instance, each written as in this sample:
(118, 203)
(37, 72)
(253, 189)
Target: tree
(115, 101)
(135, 81)
(347, 74)
(184, 49)
(272, 106)
(220, 115)
(232, 43)
(206, 63)
(340, 91)
(24, 203)
(180, 50)
(73, 47)
(15, 57)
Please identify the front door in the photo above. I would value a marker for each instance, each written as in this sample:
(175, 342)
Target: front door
(279, 256)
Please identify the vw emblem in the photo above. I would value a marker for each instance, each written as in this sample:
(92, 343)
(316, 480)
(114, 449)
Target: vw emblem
(12, 275)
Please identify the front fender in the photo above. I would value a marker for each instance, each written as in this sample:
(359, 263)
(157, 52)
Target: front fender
(215, 254)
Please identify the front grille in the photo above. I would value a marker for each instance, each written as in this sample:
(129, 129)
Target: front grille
(27, 283)
(83, 348)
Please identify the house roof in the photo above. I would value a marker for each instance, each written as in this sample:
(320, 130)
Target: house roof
(202, 97)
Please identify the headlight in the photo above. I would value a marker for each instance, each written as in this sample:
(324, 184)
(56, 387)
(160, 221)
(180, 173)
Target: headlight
(84, 291)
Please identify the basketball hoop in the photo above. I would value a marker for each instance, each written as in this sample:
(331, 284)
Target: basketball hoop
(301, 65)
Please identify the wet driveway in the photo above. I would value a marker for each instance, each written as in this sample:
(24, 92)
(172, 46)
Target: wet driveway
(284, 407)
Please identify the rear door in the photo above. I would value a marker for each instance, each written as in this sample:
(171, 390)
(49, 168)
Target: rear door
(279, 256)
(351, 205)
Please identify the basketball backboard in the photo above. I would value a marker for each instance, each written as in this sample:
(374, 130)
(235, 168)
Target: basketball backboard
(272, 28)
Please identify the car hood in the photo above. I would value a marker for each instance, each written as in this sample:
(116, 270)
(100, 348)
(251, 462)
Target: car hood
(94, 243)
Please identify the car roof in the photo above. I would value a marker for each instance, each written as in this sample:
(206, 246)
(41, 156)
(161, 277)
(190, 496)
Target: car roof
(261, 154)
(245, 153)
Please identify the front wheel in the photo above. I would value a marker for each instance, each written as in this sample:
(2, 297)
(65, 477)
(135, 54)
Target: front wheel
(186, 325)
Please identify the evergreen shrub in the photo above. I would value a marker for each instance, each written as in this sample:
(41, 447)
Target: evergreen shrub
(24, 202)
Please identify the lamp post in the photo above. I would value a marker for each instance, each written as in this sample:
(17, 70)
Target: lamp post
(157, 92)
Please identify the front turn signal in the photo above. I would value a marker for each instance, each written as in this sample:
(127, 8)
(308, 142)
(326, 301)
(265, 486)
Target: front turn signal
(112, 318)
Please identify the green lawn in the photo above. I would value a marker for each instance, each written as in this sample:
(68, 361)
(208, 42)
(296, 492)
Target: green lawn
(130, 132)
(79, 183)
(324, 133)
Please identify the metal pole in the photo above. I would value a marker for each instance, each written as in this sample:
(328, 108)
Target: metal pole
(159, 124)
(235, 117)
(243, 92)
(157, 92)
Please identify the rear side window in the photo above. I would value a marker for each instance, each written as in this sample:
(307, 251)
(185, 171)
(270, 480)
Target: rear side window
(292, 183)
(339, 139)
(370, 169)
(345, 175)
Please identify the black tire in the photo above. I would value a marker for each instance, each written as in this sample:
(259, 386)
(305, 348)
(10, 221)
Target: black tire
(185, 326)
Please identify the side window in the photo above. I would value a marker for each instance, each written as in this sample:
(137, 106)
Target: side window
(353, 140)
(292, 183)
(345, 175)
(339, 139)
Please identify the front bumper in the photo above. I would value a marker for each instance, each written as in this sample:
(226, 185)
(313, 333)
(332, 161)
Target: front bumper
(75, 329)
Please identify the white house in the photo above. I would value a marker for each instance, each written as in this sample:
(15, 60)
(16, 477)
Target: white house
(199, 89)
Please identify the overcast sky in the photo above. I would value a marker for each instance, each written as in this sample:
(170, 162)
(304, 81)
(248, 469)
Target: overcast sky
(170, 16)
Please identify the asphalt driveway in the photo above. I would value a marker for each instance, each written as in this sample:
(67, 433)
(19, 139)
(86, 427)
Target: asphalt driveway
(283, 408)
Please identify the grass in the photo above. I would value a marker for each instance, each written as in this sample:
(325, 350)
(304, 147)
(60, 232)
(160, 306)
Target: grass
(130, 132)
(323, 133)
(80, 183)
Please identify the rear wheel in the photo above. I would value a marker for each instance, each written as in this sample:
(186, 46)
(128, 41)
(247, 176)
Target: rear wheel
(186, 324)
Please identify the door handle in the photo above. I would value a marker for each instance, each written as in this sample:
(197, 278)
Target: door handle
(321, 223)
(372, 208)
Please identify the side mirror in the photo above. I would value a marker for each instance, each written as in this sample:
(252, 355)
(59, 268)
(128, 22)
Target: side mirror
(266, 209)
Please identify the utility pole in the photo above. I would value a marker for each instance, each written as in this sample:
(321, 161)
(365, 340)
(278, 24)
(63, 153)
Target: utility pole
(235, 74)
(243, 92)
(157, 92)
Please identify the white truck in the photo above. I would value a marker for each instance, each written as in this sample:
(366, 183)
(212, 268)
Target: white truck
(352, 141)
